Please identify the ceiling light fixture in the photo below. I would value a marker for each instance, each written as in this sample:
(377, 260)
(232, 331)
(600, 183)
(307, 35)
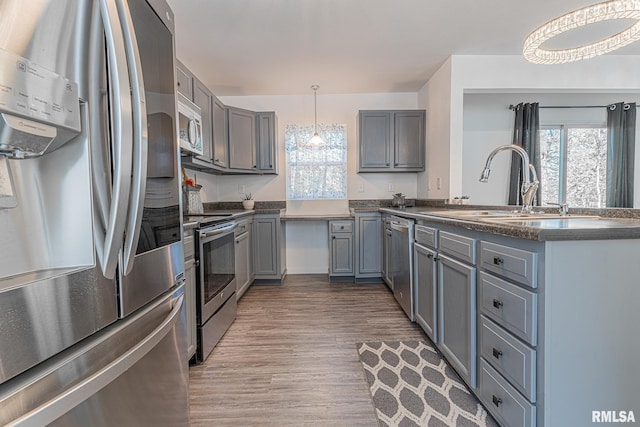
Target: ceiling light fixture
(606, 11)
(316, 141)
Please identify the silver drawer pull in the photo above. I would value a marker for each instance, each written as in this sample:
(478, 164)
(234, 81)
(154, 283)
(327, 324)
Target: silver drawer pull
(497, 303)
(497, 260)
(222, 295)
(496, 400)
(496, 353)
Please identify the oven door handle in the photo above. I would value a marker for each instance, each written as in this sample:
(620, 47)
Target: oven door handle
(231, 226)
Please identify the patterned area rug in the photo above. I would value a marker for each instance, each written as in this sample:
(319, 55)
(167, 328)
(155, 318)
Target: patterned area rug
(412, 385)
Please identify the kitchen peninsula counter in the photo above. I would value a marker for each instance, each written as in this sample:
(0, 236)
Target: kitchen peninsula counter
(569, 228)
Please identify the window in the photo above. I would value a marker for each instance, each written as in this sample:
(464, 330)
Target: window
(316, 172)
(573, 165)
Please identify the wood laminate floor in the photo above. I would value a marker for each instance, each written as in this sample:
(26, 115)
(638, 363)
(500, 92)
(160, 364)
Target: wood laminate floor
(290, 358)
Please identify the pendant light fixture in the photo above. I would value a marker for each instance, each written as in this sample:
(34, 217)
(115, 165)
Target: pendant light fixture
(606, 11)
(316, 141)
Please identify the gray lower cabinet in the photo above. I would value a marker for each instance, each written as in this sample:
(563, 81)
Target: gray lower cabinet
(244, 256)
(391, 140)
(267, 131)
(425, 289)
(457, 316)
(368, 246)
(341, 248)
(269, 256)
(190, 292)
(241, 132)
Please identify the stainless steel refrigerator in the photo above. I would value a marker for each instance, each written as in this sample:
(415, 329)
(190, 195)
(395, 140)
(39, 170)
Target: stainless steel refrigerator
(92, 321)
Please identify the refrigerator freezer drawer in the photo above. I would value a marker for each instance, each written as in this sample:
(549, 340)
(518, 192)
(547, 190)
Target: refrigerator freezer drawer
(112, 378)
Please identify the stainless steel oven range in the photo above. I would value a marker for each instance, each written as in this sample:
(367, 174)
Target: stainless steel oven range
(216, 282)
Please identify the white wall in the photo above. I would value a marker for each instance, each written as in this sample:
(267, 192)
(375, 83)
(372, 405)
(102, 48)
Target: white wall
(512, 74)
(488, 123)
(435, 97)
(307, 241)
(331, 109)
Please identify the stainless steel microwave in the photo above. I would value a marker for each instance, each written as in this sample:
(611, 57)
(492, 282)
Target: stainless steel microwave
(190, 126)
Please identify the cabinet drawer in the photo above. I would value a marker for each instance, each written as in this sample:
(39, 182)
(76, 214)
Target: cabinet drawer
(512, 263)
(243, 227)
(513, 359)
(463, 248)
(189, 246)
(510, 306)
(341, 226)
(426, 236)
(503, 401)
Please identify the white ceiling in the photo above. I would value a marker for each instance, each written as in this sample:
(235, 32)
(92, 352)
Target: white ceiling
(282, 47)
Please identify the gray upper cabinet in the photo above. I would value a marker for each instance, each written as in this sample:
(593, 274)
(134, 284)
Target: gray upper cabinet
(241, 128)
(391, 140)
(220, 143)
(202, 98)
(184, 80)
(267, 124)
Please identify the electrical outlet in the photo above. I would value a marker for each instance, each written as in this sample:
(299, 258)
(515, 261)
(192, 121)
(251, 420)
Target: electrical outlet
(360, 188)
(390, 187)
(241, 189)
(438, 183)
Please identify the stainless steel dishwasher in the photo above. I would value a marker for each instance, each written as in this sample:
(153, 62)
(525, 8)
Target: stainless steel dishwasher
(402, 264)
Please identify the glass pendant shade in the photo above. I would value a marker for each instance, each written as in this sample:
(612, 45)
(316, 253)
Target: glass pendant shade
(316, 141)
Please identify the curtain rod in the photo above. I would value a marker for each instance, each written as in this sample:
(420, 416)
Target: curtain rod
(513, 107)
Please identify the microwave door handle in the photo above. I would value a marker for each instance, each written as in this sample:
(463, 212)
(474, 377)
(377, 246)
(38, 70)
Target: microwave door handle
(140, 143)
(121, 130)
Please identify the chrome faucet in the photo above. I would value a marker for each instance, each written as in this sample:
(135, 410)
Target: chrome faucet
(529, 187)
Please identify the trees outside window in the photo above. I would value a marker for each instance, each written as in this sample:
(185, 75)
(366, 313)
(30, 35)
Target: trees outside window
(573, 165)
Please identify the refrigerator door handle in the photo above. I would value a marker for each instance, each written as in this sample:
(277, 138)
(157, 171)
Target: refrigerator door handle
(80, 392)
(140, 143)
(109, 237)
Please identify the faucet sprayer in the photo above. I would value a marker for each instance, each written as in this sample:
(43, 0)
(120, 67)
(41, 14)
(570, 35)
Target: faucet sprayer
(528, 188)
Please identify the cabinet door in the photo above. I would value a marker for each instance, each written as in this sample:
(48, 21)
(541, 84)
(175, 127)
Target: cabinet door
(409, 137)
(202, 98)
(267, 142)
(369, 245)
(184, 81)
(265, 246)
(190, 303)
(242, 139)
(425, 288)
(220, 142)
(341, 255)
(457, 316)
(376, 140)
(243, 258)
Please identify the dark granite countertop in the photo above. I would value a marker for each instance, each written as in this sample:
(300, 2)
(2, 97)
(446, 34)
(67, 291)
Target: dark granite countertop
(571, 228)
